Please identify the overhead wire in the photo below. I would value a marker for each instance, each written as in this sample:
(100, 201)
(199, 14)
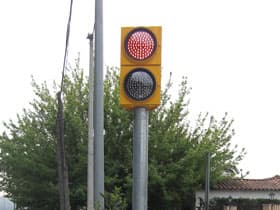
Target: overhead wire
(66, 46)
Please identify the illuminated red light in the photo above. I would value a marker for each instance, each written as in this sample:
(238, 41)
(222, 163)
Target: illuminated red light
(140, 44)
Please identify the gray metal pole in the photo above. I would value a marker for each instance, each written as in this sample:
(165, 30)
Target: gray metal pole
(90, 178)
(98, 108)
(207, 181)
(140, 159)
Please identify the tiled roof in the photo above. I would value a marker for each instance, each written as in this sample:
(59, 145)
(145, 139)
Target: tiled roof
(239, 184)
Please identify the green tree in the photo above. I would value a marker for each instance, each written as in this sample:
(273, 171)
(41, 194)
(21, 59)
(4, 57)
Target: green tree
(28, 148)
(28, 174)
(177, 150)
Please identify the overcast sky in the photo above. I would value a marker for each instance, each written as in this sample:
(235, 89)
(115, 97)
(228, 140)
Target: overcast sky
(229, 50)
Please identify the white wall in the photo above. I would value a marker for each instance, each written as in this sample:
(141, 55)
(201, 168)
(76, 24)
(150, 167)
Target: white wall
(6, 204)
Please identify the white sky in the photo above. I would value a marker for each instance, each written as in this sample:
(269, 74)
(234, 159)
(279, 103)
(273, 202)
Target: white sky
(229, 50)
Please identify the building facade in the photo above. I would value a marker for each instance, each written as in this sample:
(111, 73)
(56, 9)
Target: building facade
(237, 188)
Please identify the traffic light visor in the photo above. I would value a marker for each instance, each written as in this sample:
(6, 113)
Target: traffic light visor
(140, 44)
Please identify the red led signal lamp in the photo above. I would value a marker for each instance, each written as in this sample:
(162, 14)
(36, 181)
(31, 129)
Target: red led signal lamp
(141, 45)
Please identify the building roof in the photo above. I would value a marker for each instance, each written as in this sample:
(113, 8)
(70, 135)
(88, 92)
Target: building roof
(240, 184)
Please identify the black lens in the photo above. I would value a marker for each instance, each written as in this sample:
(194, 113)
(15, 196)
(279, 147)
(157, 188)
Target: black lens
(139, 84)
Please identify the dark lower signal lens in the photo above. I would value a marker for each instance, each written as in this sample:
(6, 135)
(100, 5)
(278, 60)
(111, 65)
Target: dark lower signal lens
(139, 84)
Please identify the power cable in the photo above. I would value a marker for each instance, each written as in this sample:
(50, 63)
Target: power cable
(66, 44)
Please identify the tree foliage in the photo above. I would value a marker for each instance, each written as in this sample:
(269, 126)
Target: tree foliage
(177, 150)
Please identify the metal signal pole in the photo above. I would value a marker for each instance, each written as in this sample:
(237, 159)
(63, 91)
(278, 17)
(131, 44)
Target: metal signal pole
(98, 108)
(90, 177)
(140, 159)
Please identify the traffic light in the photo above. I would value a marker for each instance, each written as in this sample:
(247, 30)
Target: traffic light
(140, 77)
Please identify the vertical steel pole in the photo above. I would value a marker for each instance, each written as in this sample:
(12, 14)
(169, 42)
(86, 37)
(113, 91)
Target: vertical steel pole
(90, 178)
(140, 159)
(98, 108)
(207, 181)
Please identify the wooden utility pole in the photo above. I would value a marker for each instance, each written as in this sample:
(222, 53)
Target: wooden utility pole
(63, 182)
(207, 181)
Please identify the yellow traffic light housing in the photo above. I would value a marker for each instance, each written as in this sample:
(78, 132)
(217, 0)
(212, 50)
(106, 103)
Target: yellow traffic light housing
(140, 78)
